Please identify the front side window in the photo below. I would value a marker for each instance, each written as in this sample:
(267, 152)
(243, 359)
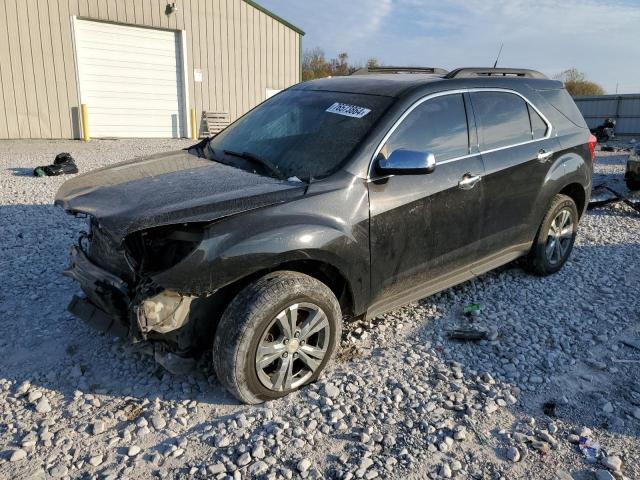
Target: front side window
(301, 133)
(438, 125)
(502, 118)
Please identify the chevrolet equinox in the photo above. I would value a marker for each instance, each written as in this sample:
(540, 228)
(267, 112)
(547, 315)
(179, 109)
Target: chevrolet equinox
(337, 198)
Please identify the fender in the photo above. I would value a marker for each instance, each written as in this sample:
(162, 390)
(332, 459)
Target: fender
(568, 168)
(579, 171)
(261, 240)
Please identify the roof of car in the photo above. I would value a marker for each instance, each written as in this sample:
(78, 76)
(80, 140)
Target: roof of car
(400, 84)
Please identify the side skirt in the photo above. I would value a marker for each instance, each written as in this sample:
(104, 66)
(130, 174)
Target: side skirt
(449, 280)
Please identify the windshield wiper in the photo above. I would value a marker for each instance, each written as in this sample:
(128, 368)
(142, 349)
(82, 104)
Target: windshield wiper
(264, 163)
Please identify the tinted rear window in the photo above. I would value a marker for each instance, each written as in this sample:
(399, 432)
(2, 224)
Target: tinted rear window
(503, 119)
(562, 101)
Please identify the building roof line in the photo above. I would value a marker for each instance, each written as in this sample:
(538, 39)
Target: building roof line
(274, 16)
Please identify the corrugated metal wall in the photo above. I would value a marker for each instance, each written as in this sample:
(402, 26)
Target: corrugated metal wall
(625, 109)
(241, 50)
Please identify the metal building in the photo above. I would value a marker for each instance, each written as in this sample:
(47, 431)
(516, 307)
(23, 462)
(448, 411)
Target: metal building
(140, 66)
(624, 109)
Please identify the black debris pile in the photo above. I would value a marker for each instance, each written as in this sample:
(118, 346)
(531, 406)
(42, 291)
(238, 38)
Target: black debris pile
(603, 195)
(605, 131)
(467, 330)
(63, 164)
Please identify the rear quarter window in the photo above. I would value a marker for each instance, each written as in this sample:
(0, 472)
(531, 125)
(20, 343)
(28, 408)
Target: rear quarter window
(503, 119)
(560, 99)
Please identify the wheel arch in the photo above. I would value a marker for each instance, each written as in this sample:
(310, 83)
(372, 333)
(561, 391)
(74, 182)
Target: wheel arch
(322, 271)
(576, 192)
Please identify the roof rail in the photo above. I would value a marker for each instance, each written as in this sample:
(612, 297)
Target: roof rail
(372, 70)
(494, 72)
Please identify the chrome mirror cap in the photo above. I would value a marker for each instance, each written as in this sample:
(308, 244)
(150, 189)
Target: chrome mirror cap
(407, 162)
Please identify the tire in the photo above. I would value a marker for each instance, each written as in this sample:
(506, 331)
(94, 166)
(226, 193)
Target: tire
(260, 315)
(546, 256)
(632, 184)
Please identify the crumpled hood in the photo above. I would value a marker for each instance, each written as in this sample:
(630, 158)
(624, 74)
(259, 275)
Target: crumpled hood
(167, 188)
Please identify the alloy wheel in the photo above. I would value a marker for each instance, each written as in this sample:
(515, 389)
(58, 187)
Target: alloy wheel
(292, 347)
(559, 237)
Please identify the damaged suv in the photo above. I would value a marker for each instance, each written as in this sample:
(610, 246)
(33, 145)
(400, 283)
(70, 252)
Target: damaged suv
(336, 198)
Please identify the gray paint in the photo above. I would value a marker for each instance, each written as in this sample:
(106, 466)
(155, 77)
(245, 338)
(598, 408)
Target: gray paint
(625, 109)
(241, 49)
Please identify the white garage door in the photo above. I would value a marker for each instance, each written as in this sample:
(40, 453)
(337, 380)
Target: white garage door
(131, 79)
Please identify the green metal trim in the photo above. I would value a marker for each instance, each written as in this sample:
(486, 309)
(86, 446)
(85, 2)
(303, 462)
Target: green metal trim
(274, 16)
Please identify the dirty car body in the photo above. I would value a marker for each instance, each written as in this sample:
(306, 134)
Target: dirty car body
(174, 237)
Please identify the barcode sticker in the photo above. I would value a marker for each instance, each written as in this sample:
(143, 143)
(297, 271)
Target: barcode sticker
(348, 110)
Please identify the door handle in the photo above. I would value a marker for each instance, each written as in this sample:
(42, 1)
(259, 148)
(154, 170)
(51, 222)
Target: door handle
(469, 181)
(543, 155)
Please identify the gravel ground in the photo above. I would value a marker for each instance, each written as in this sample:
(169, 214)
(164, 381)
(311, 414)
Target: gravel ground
(402, 401)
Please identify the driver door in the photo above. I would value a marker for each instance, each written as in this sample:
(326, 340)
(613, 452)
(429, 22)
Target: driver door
(425, 228)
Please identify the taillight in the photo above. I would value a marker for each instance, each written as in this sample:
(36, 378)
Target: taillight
(592, 146)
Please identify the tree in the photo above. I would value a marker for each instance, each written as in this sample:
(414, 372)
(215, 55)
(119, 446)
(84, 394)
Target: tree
(577, 84)
(315, 65)
(340, 65)
(373, 63)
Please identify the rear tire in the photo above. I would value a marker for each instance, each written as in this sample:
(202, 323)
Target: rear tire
(275, 336)
(554, 241)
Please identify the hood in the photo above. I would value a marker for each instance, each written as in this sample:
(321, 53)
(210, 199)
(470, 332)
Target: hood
(168, 188)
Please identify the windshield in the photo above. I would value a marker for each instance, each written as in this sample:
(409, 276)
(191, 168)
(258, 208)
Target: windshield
(299, 133)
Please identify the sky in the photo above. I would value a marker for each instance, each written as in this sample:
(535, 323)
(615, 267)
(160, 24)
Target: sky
(601, 39)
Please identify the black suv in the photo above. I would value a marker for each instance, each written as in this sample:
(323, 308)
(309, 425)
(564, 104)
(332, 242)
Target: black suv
(336, 198)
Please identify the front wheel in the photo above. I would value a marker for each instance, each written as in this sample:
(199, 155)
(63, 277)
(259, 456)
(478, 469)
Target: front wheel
(556, 235)
(277, 335)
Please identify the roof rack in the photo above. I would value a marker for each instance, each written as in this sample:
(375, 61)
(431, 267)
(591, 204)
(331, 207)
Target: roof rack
(372, 70)
(494, 72)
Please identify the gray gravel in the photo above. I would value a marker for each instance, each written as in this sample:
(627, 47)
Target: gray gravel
(402, 401)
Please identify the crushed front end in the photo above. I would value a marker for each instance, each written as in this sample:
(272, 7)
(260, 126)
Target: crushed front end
(120, 297)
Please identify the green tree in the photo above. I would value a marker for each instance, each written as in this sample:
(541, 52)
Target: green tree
(373, 63)
(577, 84)
(340, 65)
(315, 65)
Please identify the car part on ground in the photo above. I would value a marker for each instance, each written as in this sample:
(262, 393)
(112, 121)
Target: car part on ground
(63, 164)
(615, 197)
(605, 131)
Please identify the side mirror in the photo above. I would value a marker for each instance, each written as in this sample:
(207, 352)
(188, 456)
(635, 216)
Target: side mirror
(406, 162)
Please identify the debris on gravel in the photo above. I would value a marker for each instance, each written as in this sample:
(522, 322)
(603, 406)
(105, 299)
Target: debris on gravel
(552, 390)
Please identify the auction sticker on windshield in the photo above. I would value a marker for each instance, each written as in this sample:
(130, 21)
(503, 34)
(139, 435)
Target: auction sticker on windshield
(348, 110)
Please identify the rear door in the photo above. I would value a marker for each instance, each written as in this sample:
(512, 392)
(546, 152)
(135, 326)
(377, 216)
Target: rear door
(517, 152)
(424, 226)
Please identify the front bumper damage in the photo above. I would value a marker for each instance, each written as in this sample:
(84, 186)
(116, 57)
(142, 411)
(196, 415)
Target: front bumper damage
(106, 298)
(113, 306)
